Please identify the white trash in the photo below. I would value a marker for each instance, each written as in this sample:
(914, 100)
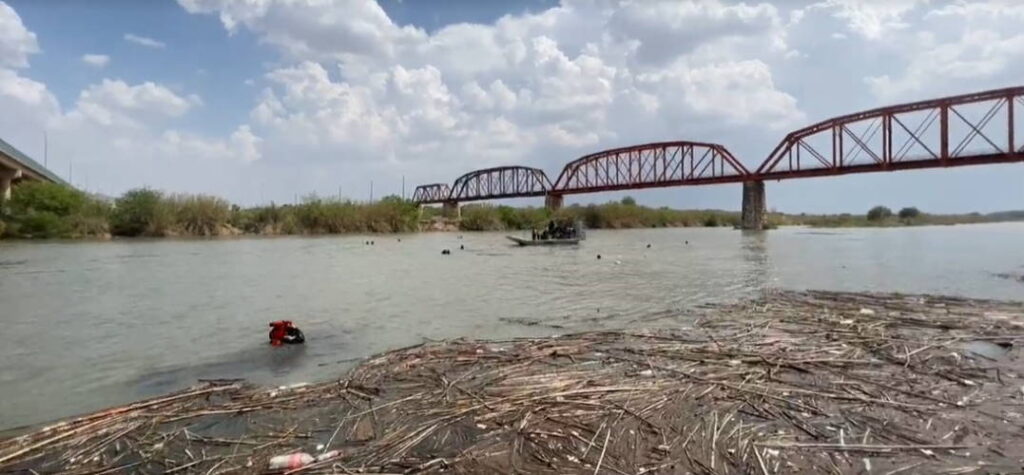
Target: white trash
(867, 311)
(290, 461)
(327, 455)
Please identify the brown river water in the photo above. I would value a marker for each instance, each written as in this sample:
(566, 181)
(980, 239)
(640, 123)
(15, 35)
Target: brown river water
(86, 325)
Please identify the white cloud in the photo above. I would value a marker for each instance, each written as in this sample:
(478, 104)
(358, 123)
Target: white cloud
(144, 41)
(114, 102)
(96, 60)
(113, 125)
(528, 88)
(350, 94)
(16, 42)
(738, 92)
(953, 44)
(872, 19)
(665, 30)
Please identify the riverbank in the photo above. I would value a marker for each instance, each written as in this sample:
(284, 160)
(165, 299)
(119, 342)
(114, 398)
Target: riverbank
(45, 210)
(790, 382)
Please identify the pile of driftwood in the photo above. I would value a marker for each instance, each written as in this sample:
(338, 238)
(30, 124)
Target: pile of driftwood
(791, 382)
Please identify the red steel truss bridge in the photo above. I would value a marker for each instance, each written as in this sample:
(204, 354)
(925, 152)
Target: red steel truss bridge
(970, 129)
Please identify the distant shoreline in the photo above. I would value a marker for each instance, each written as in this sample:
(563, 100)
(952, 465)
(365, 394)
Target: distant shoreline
(242, 235)
(50, 211)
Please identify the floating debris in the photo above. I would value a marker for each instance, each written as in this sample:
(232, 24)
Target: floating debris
(794, 382)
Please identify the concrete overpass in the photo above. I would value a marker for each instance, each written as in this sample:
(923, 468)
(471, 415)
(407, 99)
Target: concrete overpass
(16, 166)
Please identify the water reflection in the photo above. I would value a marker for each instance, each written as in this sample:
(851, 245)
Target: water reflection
(755, 254)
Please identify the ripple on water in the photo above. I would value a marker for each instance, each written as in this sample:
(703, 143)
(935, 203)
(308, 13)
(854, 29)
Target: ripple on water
(182, 310)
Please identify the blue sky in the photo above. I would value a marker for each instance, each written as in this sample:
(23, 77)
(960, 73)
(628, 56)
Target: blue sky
(266, 99)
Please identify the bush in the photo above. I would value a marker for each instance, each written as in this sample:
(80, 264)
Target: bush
(480, 218)
(50, 210)
(393, 214)
(58, 200)
(141, 212)
(200, 215)
(879, 213)
(909, 213)
(43, 225)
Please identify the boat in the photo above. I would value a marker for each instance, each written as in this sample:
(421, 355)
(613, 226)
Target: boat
(568, 233)
(543, 242)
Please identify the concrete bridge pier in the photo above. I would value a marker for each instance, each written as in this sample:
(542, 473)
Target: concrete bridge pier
(553, 202)
(752, 216)
(450, 209)
(6, 177)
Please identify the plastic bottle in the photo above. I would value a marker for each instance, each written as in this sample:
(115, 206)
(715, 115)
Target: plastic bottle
(290, 461)
(327, 455)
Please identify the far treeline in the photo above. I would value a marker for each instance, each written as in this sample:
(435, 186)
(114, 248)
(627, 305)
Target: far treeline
(46, 210)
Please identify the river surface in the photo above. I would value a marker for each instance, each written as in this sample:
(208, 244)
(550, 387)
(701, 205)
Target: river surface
(86, 325)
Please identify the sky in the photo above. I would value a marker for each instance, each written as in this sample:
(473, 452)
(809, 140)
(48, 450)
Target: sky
(273, 100)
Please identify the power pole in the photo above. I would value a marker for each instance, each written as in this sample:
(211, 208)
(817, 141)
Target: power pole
(371, 191)
(403, 187)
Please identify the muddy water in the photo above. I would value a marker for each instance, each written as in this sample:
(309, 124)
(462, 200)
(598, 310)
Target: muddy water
(88, 325)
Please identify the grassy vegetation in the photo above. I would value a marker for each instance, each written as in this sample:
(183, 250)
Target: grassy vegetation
(45, 210)
(612, 215)
(881, 216)
(319, 216)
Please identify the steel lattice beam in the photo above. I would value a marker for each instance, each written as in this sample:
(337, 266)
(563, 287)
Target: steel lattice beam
(650, 165)
(935, 133)
(907, 136)
(433, 193)
(500, 182)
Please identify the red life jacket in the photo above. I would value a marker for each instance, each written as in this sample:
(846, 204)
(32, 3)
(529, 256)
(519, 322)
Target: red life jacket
(278, 330)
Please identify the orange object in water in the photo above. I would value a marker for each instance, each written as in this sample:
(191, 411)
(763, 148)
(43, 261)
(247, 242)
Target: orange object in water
(283, 331)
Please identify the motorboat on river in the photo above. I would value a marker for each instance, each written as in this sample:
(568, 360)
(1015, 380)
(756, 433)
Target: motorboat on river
(555, 234)
(543, 242)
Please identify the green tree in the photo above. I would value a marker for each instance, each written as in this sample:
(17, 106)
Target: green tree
(628, 201)
(141, 212)
(49, 210)
(879, 213)
(43, 197)
(909, 213)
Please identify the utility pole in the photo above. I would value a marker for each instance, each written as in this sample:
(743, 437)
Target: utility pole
(403, 187)
(371, 191)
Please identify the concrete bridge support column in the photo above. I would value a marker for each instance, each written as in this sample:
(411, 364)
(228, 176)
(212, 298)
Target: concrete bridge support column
(754, 207)
(450, 209)
(554, 202)
(6, 177)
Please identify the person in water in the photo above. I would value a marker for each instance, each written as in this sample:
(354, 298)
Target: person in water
(284, 332)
